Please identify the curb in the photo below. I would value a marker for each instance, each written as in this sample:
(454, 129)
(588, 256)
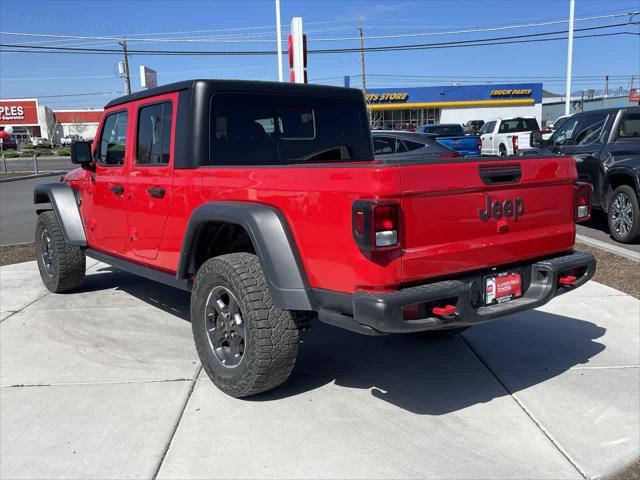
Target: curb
(27, 177)
(620, 251)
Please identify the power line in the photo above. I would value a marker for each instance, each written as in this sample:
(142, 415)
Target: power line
(374, 37)
(513, 39)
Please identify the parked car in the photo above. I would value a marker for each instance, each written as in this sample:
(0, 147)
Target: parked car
(9, 144)
(69, 139)
(395, 145)
(452, 135)
(507, 136)
(606, 146)
(264, 201)
(553, 126)
(40, 142)
(472, 127)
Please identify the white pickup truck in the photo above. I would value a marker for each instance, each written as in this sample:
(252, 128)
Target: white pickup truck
(507, 136)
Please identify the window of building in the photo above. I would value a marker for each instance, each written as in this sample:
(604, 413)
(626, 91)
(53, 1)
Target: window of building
(113, 140)
(154, 134)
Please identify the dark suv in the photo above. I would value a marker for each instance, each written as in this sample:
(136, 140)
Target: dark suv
(606, 146)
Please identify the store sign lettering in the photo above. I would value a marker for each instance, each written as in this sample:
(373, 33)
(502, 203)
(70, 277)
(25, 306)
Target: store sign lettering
(11, 113)
(387, 97)
(518, 92)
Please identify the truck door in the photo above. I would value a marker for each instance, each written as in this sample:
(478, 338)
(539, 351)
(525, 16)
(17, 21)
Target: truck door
(486, 135)
(585, 145)
(106, 226)
(151, 176)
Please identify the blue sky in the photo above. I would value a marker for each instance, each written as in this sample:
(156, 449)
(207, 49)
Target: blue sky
(44, 75)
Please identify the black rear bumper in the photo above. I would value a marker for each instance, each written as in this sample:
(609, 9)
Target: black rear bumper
(382, 312)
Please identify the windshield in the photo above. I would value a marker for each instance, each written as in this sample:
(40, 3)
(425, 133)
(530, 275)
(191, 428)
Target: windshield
(274, 129)
(444, 130)
(565, 132)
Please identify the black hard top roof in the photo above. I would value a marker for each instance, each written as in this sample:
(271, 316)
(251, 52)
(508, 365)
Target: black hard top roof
(248, 86)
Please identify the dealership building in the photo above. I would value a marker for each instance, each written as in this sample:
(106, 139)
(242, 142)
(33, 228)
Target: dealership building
(29, 119)
(399, 108)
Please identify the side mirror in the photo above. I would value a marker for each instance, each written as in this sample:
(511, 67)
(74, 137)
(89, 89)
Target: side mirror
(81, 153)
(535, 139)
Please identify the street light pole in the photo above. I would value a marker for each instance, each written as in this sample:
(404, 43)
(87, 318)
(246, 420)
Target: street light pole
(567, 100)
(279, 38)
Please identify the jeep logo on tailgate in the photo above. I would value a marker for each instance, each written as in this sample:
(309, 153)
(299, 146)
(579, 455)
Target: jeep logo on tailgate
(497, 209)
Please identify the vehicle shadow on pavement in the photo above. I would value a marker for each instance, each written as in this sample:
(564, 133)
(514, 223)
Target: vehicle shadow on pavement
(440, 375)
(421, 373)
(169, 299)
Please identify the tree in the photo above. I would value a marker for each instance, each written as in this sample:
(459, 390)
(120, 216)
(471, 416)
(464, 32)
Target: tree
(78, 126)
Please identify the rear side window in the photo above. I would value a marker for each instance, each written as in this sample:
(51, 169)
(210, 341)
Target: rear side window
(113, 140)
(518, 125)
(413, 145)
(384, 145)
(154, 134)
(630, 126)
(255, 129)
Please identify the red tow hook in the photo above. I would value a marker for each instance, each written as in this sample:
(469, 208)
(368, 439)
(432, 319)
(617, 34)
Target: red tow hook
(444, 311)
(567, 280)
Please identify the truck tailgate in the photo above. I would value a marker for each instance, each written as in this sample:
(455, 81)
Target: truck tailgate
(449, 229)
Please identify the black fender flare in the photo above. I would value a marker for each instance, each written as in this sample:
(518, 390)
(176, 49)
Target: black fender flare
(64, 204)
(273, 244)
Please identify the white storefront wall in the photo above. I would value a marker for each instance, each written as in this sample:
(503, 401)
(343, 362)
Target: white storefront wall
(464, 114)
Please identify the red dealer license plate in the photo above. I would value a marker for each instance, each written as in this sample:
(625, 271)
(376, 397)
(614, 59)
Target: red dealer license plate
(502, 287)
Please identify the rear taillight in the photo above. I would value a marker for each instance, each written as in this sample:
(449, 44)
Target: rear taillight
(479, 143)
(376, 224)
(582, 195)
(514, 143)
(450, 155)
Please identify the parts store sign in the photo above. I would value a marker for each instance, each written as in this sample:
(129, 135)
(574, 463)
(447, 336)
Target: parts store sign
(18, 112)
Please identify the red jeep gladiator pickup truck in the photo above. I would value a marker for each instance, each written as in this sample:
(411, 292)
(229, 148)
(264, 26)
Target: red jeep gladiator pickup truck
(265, 201)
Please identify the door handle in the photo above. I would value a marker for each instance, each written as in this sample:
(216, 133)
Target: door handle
(117, 189)
(156, 192)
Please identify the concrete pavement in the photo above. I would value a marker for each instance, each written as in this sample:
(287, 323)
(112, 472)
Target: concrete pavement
(105, 383)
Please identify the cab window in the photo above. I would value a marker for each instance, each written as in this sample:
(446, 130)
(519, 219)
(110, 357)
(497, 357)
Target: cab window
(630, 126)
(591, 129)
(113, 140)
(154, 134)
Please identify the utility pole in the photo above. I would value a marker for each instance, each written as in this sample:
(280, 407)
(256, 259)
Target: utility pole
(567, 100)
(606, 86)
(279, 39)
(364, 73)
(127, 78)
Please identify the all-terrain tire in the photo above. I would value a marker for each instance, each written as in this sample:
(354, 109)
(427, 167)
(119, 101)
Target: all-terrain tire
(632, 212)
(62, 266)
(503, 151)
(271, 334)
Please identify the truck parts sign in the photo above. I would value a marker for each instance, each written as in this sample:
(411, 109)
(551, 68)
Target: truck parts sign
(18, 112)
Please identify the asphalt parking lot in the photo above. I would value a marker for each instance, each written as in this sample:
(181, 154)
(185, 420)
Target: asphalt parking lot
(105, 382)
(45, 164)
